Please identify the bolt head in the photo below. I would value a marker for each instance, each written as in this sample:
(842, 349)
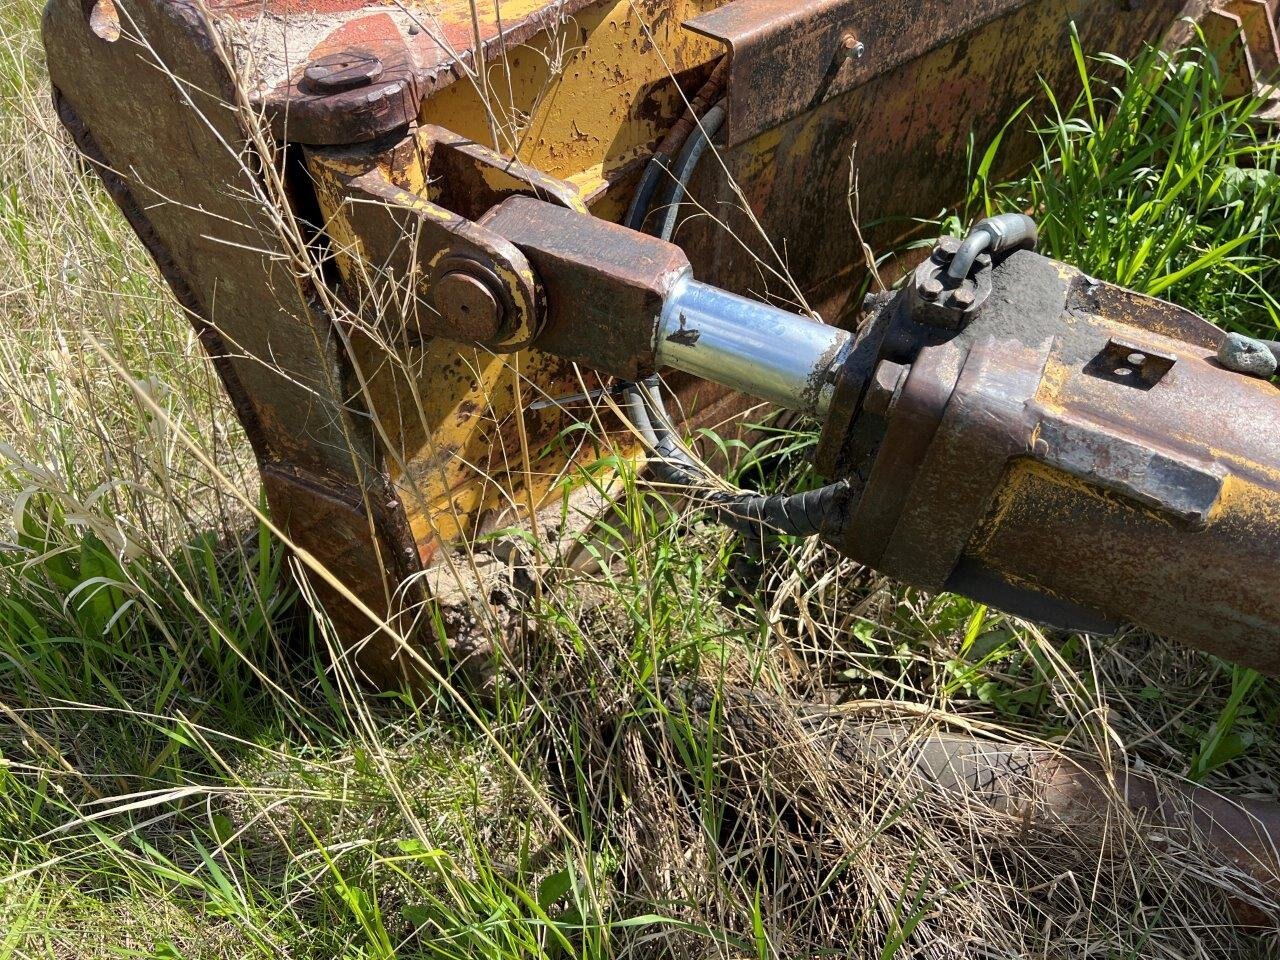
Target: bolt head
(469, 306)
(931, 289)
(339, 72)
(946, 249)
(882, 389)
(964, 297)
(852, 47)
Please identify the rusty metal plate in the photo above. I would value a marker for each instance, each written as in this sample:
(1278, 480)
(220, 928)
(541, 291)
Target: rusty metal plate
(423, 45)
(152, 119)
(789, 58)
(904, 135)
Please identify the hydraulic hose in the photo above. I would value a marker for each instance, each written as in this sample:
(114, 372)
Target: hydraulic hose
(1008, 231)
(798, 515)
(751, 514)
(685, 166)
(657, 168)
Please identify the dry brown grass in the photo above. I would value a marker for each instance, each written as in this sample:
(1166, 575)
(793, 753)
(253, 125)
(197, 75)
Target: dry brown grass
(692, 761)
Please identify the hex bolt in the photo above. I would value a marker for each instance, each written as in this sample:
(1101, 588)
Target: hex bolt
(931, 289)
(946, 249)
(964, 297)
(469, 306)
(884, 387)
(340, 72)
(851, 47)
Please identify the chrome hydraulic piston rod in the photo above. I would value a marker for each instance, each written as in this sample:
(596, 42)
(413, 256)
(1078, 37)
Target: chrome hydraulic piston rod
(627, 304)
(749, 346)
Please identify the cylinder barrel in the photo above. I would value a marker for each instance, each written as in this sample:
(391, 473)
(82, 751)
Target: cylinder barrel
(1078, 456)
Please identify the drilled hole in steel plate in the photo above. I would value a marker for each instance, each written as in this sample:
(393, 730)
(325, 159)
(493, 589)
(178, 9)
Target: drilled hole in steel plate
(1131, 365)
(104, 20)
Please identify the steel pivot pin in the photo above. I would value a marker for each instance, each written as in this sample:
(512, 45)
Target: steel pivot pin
(339, 72)
(470, 306)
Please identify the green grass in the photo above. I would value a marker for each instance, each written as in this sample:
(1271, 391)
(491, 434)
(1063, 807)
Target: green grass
(184, 774)
(1150, 179)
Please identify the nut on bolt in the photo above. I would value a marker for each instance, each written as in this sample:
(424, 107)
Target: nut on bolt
(946, 249)
(931, 289)
(884, 387)
(851, 47)
(340, 72)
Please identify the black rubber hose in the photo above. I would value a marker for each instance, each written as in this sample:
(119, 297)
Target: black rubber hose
(656, 170)
(671, 462)
(642, 199)
(1008, 231)
(751, 514)
(685, 165)
(807, 514)
(798, 515)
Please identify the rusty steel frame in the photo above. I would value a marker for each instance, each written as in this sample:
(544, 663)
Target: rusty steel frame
(385, 105)
(191, 201)
(1244, 35)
